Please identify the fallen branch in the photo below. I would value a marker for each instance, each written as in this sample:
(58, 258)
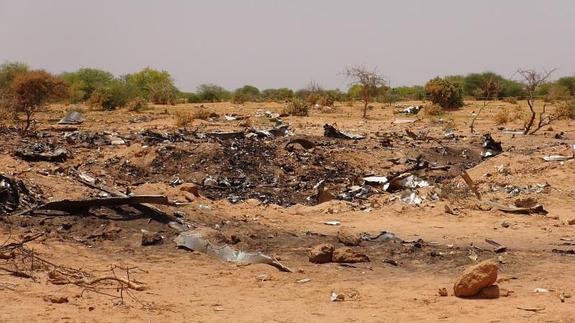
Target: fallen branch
(470, 184)
(129, 284)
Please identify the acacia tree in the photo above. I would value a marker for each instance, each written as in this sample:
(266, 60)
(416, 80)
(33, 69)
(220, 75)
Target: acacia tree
(490, 89)
(532, 80)
(31, 91)
(369, 81)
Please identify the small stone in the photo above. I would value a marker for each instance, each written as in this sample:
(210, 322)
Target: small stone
(505, 224)
(475, 278)
(348, 238)
(442, 292)
(571, 222)
(348, 255)
(321, 254)
(151, 238)
(489, 292)
(56, 299)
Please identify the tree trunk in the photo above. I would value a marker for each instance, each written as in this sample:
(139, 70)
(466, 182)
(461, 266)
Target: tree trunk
(531, 120)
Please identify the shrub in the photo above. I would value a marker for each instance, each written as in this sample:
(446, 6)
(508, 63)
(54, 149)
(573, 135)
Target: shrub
(279, 95)
(31, 91)
(247, 93)
(212, 93)
(296, 107)
(183, 119)
(137, 104)
(116, 94)
(511, 99)
(445, 93)
(155, 86)
(502, 116)
(85, 81)
(432, 110)
(8, 72)
(565, 110)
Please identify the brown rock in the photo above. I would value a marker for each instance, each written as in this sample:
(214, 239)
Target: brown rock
(475, 278)
(348, 255)
(571, 221)
(190, 188)
(348, 238)
(321, 254)
(489, 292)
(56, 299)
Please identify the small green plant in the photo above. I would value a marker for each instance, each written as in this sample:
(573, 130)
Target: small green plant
(296, 107)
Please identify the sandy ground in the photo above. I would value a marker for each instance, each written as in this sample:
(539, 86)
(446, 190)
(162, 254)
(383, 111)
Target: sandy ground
(189, 286)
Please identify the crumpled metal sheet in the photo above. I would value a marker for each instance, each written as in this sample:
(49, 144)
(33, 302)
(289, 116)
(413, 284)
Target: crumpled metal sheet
(194, 241)
(73, 117)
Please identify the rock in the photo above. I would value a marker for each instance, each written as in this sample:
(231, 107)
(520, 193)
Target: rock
(442, 292)
(151, 238)
(348, 238)
(475, 278)
(56, 299)
(489, 292)
(190, 188)
(348, 255)
(321, 254)
(571, 221)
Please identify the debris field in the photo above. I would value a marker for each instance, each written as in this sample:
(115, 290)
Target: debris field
(397, 217)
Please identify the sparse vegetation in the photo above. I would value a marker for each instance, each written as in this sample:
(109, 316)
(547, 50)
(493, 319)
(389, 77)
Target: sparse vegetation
(137, 104)
(370, 82)
(502, 116)
(432, 110)
(296, 107)
(532, 80)
(565, 110)
(212, 93)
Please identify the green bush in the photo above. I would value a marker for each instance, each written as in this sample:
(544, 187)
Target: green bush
(278, 95)
(296, 107)
(112, 96)
(153, 85)
(85, 81)
(247, 93)
(445, 93)
(212, 93)
(8, 72)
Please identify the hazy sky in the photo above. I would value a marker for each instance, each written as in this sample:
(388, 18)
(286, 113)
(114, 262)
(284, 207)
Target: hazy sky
(292, 42)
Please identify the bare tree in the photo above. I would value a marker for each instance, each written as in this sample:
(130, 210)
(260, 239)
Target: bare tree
(370, 81)
(489, 89)
(532, 80)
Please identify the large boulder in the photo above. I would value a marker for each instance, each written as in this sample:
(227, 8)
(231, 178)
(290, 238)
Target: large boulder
(321, 254)
(475, 278)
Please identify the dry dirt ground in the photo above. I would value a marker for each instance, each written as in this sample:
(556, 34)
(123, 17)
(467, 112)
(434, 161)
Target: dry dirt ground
(255, 192)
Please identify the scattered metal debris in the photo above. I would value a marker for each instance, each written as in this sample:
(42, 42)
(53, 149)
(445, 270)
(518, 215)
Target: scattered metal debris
(332, 132)
(491, 147)
(73, 118)
(194, 241)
